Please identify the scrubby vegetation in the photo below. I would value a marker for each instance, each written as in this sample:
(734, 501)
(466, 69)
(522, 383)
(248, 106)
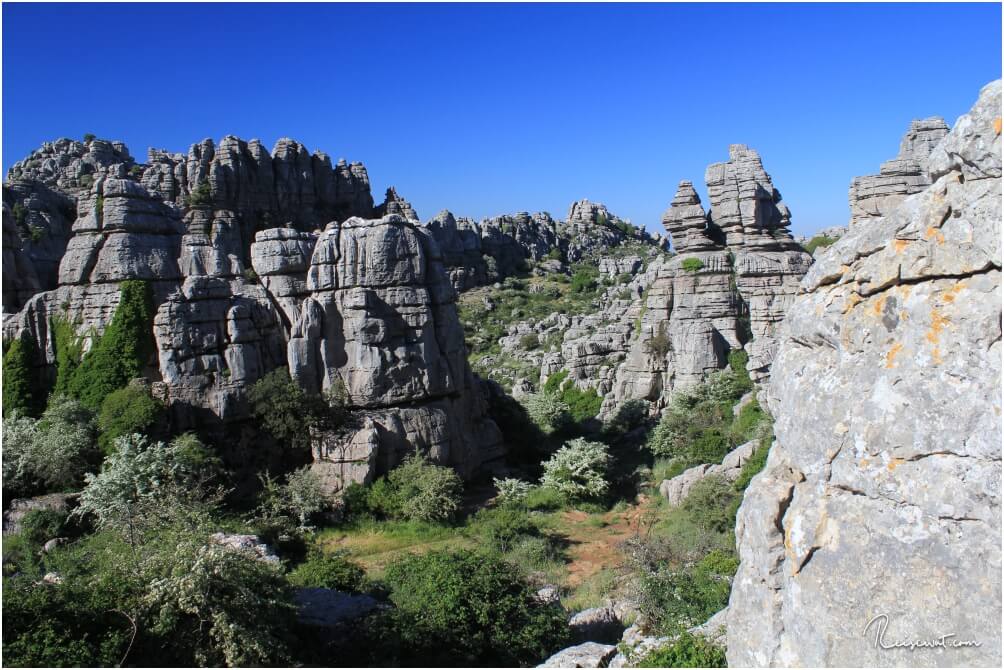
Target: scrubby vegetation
(692, 264)
(122, 351)
(818, 242)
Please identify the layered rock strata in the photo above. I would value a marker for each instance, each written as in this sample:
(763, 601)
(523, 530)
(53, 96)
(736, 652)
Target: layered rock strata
(877, 518)
(876, 195)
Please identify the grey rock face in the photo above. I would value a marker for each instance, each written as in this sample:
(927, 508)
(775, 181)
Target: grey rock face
(20, 281)
(459, 241)
(877, 195)
(585, 655)
(880, 502)
(57, 502)
(596, 624)
(687, 223)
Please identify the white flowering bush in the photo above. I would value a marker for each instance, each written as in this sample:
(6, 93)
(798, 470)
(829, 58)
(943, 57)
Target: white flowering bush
(51, 453)
(548, 411)
(578, 469)
(298, 499)
(143, 478)
(225, 606)
(511, 491)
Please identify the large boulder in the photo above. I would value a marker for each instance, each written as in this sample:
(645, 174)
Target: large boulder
(877, 519)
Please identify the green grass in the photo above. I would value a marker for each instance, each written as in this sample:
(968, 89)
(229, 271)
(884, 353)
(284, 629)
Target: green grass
(817, 242)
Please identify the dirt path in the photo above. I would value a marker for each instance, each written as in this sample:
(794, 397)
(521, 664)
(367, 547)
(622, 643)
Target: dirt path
(594, 541)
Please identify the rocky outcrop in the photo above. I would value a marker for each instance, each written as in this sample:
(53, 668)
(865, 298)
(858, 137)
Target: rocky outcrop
(395, 204)
(459, 241)
(363, 310)
(585, 655)
(20, 281)
(380, 326)
(675, 490)
(877, 195)
(877, 518)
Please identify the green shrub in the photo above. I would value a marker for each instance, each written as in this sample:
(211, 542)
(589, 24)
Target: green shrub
(530, 341)
(295, 502)
(624, 278)
(122, 352)
(38, 526)
(86, 180)
(50, 454)
(555, 382)
(19, 392)
(687, 651)
(289, 413)
(471, 608)
(659, 344)
(582, 405)
(201, 196)
(328, 571)
(578, 470)
(415, 490)
(127, 411)
(89, 137)
(425, 492)
(585, 279)
(555, 255)
(547, 411)
(710, 503)
(692, 264)
(502, 527)
(69, 351)
(545, 499)
(20, 213)
(817, 242)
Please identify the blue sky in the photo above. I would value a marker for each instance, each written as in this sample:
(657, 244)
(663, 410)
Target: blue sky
(488, 109)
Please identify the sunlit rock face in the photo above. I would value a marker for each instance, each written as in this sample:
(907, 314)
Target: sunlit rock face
(880, 501)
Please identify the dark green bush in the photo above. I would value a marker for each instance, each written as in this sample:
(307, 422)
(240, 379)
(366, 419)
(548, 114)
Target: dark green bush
(585, 279)
(289, 413)
(127, 411)
(582, 405)
(19, 392)
(201, 195)
(501, 528)
(20, 213)
(89, 137)
(710, 503)
(328, 571)
(687, 651)
(69, 351)
(529, 341)
(122, 352)
(467, 608)
(41, 525)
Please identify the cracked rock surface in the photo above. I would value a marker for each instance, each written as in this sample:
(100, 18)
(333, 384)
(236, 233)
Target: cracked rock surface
(881, 495)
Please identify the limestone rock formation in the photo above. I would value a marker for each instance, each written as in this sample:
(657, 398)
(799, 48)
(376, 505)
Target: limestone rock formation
(877, 195)
(675, 490)
(877, 519)
(20, 280)
(364, 309)
(585, 655)
(395, 204)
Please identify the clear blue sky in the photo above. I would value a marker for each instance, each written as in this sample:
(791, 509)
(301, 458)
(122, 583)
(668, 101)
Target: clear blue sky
(487, 109)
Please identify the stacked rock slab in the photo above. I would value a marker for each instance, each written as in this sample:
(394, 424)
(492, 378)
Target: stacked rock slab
(380, 328)
(459, 241)
(395, 204)
(748, 210)
(364, 309)
(876, 195)
(877, 519)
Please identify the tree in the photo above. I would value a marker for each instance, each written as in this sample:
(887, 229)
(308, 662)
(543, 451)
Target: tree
(578, 469)
(425, 492)
(122, 352)
(287, 412)
(143, 483)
